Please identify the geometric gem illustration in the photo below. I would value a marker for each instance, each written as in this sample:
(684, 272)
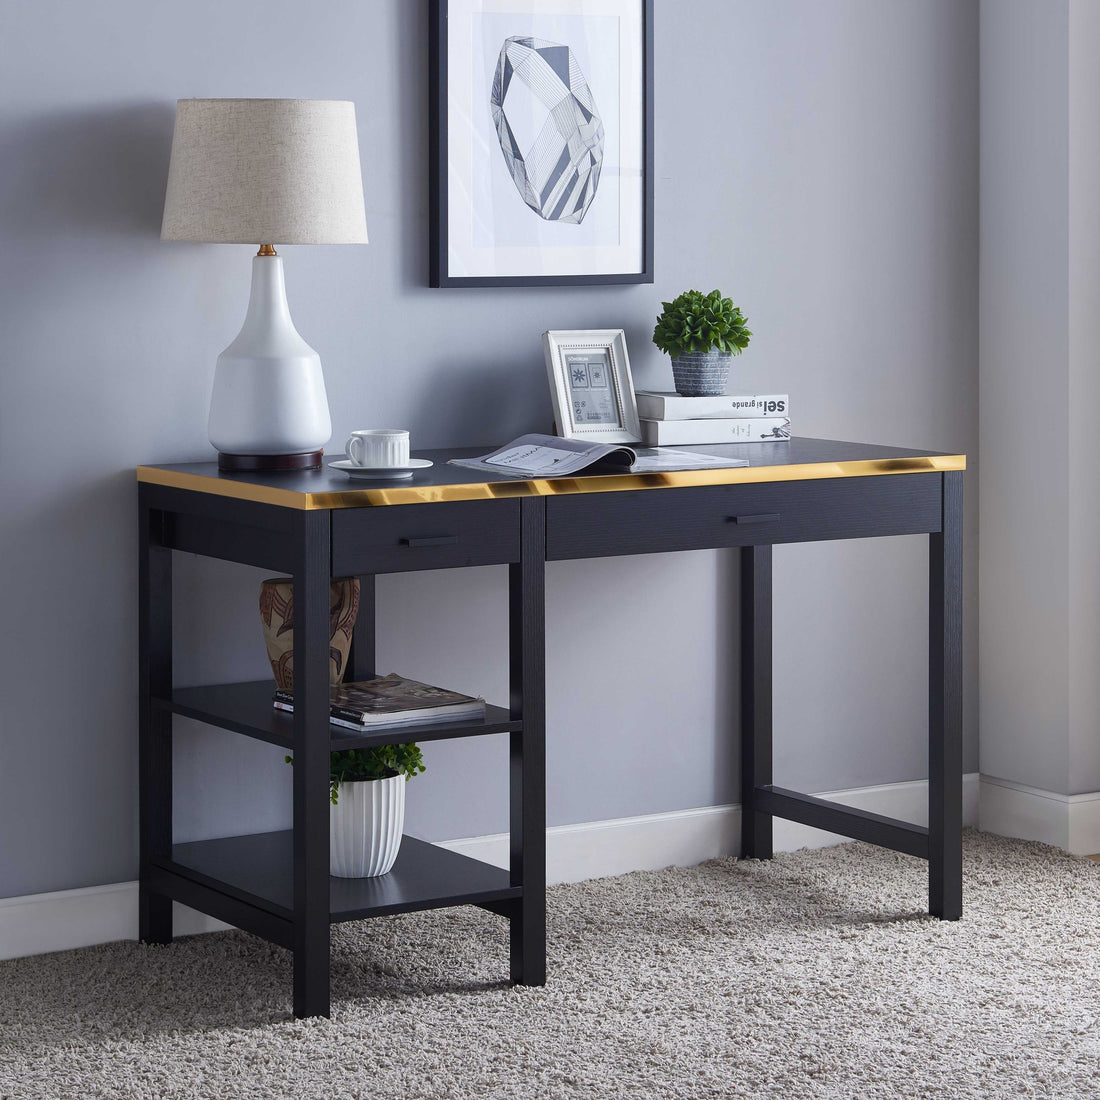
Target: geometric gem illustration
(550, 132)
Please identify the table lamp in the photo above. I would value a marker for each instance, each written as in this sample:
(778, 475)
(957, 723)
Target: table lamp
(266, 172)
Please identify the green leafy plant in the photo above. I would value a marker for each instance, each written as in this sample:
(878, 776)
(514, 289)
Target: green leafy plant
(381, 762)
(699, 322)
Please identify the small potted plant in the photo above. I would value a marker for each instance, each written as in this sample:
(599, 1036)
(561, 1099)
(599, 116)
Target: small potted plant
(702, 333)
(367, 788)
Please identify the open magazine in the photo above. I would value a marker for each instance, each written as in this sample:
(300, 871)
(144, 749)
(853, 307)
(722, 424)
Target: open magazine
(550, 456)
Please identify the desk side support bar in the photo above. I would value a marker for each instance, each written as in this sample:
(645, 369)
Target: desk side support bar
(945, 658)
(819, 813)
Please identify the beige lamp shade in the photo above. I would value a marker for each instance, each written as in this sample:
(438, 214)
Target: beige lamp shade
(265, 171)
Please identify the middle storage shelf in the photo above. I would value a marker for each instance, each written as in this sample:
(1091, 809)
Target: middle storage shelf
(246, 708)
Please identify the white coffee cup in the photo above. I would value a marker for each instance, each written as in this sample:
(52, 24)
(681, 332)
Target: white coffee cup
(377, 448)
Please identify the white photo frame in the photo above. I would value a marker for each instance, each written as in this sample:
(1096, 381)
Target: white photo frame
(590, 385)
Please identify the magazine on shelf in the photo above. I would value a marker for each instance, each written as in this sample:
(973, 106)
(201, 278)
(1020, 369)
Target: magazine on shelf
(391, 701)
(551, 456)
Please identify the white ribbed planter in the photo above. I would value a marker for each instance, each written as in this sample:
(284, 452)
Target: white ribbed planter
(364, 827)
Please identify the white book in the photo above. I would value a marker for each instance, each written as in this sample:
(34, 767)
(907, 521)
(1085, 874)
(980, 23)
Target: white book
(655, 405)
(757, 429)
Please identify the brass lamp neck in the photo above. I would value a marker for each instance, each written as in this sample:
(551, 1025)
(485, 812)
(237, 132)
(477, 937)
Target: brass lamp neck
(267, 250)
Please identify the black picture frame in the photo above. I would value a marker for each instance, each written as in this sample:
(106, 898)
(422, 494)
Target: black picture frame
(439, 274)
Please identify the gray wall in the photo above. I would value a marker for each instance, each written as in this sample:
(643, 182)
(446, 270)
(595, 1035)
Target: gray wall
(1024, 375)
(817, 161)
(1084, 394)
(1040, 387)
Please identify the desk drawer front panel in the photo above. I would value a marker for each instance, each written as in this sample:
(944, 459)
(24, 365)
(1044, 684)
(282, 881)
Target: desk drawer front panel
(662, 520)
(404, 537)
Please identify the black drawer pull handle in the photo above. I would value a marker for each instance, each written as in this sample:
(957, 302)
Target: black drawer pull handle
(432, 540)
(762, 517)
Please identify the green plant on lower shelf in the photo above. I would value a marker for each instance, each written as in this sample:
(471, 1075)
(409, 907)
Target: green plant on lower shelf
(380, 762)
(699, 322)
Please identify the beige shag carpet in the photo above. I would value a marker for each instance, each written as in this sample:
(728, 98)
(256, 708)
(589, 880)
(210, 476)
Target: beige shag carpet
(815, 975)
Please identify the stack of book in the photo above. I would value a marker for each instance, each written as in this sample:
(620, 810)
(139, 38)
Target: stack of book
(391, 701)
(670, 420)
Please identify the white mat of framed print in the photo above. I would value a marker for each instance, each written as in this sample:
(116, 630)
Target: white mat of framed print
(542, 143)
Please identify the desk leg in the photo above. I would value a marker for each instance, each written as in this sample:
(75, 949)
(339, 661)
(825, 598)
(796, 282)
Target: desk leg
(361, 660)
(311, 766)
(756, 698)
(154, 723)
(945, 707)
(527, 750)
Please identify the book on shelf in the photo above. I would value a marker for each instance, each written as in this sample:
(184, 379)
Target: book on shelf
(656, 405)
(545, 456)
(756, 429)
(391, 701)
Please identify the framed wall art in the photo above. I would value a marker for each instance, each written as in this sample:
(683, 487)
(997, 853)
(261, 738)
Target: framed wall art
(542, 142)
(590, 385)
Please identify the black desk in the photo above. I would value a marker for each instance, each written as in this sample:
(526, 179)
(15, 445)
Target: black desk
(319, 524)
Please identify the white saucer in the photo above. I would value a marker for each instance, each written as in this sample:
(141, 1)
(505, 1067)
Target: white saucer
(381, 473)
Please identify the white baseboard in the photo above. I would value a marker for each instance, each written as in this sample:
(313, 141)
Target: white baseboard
(1069, 821)
(683, 838)
(595, 849)
(40, 923)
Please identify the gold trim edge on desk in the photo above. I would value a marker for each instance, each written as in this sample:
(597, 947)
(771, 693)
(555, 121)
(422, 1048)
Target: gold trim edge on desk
(611, 483)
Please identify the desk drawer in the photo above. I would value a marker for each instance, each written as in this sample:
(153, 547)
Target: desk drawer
(403, 537)
(653, 521)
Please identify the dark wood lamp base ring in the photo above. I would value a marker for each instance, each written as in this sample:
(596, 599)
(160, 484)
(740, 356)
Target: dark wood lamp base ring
(310, 460)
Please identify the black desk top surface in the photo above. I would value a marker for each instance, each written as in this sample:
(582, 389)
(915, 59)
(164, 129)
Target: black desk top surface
(795, 460)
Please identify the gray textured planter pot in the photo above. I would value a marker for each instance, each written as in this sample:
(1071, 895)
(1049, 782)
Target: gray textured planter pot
(702, 373)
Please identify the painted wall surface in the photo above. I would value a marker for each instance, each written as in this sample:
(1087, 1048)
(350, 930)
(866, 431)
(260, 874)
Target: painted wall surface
(1084, 396)
(1024, 354)
(823, 173)
(1040, 330)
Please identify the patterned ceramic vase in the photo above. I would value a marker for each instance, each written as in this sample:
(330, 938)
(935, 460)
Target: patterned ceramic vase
(702, 373)
(277, 618)
(364, 827)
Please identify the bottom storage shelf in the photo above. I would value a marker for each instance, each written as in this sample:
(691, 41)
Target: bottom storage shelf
(259, 870)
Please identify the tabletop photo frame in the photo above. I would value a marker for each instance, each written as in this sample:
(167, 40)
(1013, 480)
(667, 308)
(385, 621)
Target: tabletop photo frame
(541, 142)
(590, 385)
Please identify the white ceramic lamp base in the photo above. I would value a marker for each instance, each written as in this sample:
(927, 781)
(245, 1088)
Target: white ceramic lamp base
(269, 409)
